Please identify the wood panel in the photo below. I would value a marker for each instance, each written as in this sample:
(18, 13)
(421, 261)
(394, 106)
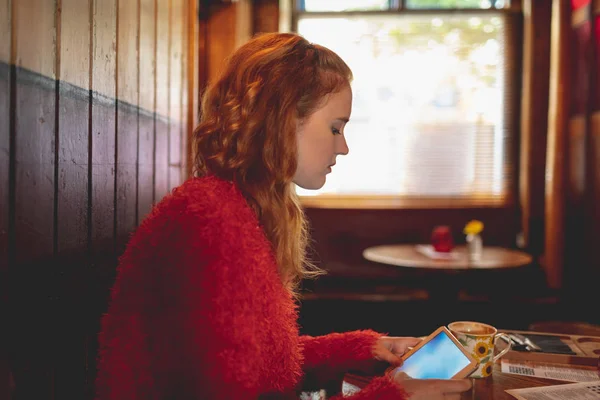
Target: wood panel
(147, 68)
(534, 120)
(127, 120)
(265, 17)
(31, 54)
(594, 134)
(35, 130)
(104, 58)
(579, 223)
(175, 110)
(73, 127)
(576, 181)
(193, 79)
(557, 134)
(72, 108)
(72, 200)
(203, 49)
(595, 168)
(161, 159)
(5, 50)
(103, 140)
(221, 33)
(596, 48)
(34, 196)
(580, 78)
(185, 82)
(243, 21)
(575, 215)
(593, 233)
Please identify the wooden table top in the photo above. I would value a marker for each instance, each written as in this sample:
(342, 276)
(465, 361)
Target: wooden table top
(491, 388)
(495, 386)
(406, 255)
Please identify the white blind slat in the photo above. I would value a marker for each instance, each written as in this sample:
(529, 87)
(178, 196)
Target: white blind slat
(432, 108)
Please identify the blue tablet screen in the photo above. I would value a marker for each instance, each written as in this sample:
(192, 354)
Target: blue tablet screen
(440, 358)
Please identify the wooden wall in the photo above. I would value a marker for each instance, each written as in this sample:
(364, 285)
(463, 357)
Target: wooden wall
(572, 232)
(582, 229)
(94, 120)
(224, 27)
(534, 121)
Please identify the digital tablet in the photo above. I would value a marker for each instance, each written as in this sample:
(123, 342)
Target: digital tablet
(438, 356)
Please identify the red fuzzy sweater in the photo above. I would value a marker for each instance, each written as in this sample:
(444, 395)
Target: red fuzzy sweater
(198, 311)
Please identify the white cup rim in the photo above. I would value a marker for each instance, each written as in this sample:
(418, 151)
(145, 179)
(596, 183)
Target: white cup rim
(493, 329)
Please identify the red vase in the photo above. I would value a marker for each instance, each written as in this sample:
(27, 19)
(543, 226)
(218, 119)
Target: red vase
(441, 239)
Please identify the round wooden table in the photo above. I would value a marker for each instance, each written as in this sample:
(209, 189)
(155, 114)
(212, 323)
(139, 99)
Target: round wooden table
(448, 277)
(406, 255)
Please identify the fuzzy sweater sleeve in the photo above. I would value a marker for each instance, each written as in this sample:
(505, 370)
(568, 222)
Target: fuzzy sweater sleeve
(339, 351)
(327, 358)
(381, 388)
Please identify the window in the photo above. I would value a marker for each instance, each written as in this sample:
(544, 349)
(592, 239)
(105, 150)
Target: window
(434, 100)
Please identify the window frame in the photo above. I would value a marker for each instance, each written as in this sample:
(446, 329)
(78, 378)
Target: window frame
(344, 201)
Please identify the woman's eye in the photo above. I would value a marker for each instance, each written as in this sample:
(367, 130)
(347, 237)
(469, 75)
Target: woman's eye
(335, 131)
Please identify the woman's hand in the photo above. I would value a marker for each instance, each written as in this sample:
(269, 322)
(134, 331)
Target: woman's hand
(390, 349)
(432, 389)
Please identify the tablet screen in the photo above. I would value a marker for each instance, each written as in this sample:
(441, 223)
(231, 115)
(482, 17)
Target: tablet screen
(437, 359)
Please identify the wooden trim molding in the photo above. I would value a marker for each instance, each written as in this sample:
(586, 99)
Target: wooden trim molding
(576, 158)
(193, 88)
(595, 124)
(557, 135)
(577, 126)
(400, 202)
(243, 22)
(534, 120)
(285, 15)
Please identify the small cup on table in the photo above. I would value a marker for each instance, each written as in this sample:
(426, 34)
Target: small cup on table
(441, 239)
(480, 340)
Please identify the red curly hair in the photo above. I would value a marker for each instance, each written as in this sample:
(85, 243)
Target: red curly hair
(247, 133)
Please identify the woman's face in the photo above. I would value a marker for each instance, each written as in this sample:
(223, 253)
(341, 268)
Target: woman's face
(321, 139)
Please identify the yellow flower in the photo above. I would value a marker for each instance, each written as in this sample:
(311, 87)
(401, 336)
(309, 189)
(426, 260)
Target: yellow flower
(486, 370)
(481, 348)
(474, 227)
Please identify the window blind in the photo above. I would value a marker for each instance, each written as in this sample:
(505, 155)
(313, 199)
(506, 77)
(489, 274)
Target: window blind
(433, 109)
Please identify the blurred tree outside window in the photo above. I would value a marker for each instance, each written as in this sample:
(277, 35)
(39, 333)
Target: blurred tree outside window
(433, 102)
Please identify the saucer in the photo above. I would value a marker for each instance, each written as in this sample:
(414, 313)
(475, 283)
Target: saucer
(428, 251)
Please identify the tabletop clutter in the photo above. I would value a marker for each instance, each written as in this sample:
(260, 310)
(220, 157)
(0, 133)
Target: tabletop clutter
(442, 242)
(559, 357)
(566, 366)
(565, 358)
(557, 366)
(560, 366)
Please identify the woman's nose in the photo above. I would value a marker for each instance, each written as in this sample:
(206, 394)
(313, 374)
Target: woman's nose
(342, 146)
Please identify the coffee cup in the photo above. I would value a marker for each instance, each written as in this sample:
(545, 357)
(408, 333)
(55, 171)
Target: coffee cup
(480, 339)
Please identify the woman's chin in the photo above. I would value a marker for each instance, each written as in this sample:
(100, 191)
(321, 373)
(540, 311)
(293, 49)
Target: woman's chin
(314, 184)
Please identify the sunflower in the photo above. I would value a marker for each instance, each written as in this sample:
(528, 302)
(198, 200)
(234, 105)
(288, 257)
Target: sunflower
(482, 348)
(473, 227)
(487, 369)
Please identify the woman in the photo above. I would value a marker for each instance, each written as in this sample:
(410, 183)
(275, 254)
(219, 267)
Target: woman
(204, 302)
